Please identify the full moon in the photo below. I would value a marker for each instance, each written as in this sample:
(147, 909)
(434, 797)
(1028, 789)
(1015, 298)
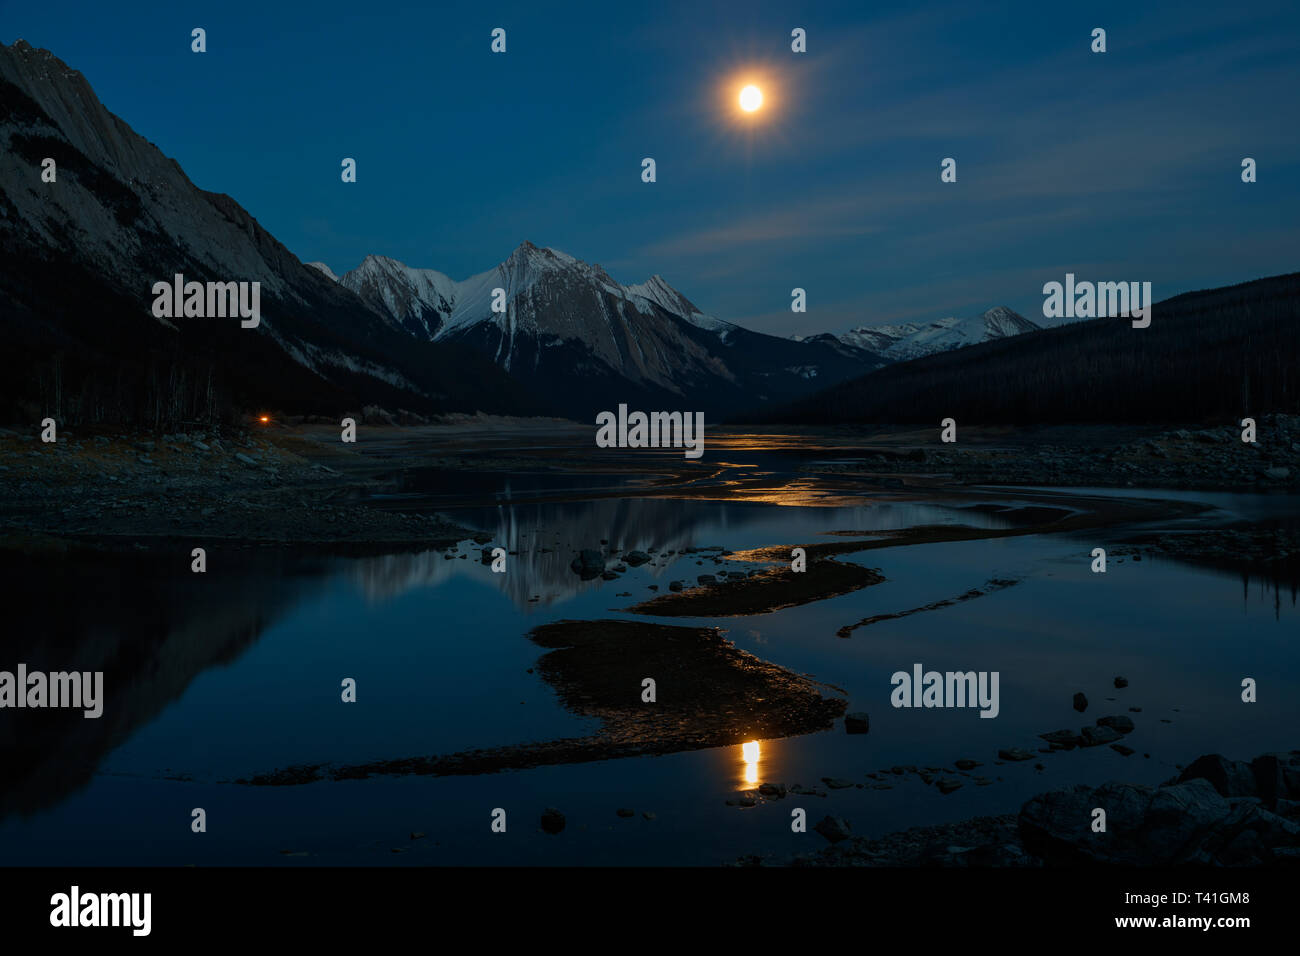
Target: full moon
(751, 98)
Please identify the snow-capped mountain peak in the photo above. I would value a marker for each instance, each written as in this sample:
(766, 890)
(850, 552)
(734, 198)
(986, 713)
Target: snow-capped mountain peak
(412, 298)
(563, 325)
(417, 300)
(911, 340)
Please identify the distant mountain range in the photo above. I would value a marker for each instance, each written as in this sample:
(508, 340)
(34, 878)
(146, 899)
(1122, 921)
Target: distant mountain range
(79, 257)
(1215, 355)
(568, 330)
(430, 305)
(901, 343)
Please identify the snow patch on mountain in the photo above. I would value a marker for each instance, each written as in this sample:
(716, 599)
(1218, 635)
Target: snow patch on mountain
(412, 297)
(416, 300)
(910, 340)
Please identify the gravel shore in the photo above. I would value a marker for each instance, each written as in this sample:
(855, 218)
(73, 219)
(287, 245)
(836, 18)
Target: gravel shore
(107, 489)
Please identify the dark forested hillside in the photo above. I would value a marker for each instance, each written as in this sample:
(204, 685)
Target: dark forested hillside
(1216, 354)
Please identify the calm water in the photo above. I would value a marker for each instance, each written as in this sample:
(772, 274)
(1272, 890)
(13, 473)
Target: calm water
(236, 672)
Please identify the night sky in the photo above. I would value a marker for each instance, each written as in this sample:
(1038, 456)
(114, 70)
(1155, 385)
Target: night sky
(1117, 166)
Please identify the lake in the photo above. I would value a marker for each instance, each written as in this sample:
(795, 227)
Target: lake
(219, 676)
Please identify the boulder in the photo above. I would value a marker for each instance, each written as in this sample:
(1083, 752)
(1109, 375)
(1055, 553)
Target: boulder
(1095, 736)
(1176, 824)
(1014, 753)
(588, 564)
(857, 723)
(1120, 722)
(1269, 771)
(834, 829)
(1066, 739)
(1230, 778)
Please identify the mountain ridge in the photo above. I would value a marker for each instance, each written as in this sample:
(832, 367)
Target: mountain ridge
(1218, 355)
(79, 256)
(910, 340)
(565, 324)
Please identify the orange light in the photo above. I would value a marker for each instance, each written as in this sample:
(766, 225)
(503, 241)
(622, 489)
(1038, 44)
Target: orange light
(750, 753)
(265, 419)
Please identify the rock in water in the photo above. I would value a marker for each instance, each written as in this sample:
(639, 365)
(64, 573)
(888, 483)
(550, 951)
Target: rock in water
(1094, 736)
(1015, 753)
(1080, 702)
(552, 820)
(834, 829)
(1121, 681)
(588, 563)
(1064, 739)
(857, 723)
(1118, 722)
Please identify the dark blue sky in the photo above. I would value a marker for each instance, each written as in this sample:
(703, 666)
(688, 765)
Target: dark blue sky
(1122, 166)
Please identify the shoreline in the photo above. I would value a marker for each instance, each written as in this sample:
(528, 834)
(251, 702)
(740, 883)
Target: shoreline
(1215, 812)
(99, 489)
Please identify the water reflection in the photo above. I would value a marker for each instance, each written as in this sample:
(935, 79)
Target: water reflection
(448, 633)
(749, 753)
(542, 539)
(151, 631)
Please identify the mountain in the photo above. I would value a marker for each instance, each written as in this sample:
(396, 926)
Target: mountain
(1214, 355)
(571, 331)
(324, 270)
(417, 301)
(79, 257)
(911, 340)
